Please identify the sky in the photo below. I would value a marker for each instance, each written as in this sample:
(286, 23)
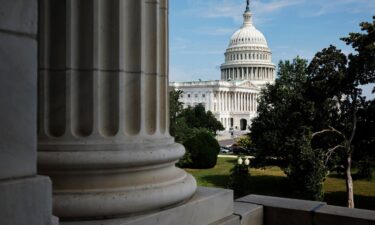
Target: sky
(200, 30)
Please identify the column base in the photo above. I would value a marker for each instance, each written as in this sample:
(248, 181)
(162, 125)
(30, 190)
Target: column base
(26, 201)
(207, 206)
(114, 180)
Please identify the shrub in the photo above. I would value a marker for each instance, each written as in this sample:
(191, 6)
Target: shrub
(201, 151)
(244, 141)
(239, 178)
(364, 170)
(306, 171)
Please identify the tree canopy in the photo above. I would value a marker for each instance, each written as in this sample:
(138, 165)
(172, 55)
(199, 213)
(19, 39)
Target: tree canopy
(185, 123)
(311, 118)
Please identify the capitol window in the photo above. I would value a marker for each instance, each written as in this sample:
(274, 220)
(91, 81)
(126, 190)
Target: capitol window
(203, 95)
(188, 95)
(196, 95)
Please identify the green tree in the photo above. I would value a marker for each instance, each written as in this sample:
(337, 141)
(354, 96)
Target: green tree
(184, 122)
(365, 140)
(197, 117)
(213, 124)
(283, 130)
(179, 128)
(310, 118)
(342, 77)
(175, 108)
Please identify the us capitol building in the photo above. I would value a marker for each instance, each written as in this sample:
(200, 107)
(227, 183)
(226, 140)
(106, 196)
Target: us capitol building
(247, 68)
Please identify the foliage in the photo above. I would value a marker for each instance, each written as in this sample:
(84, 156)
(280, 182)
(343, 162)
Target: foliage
(197, 117)
(175, 108)
(185, 123)
(244, 141)
(283, 128)
(201, 151)
(306, 171)
(311, 117)
(238, 179)
(365, 140)
(358, 68)
(271, 181)
(362, 63)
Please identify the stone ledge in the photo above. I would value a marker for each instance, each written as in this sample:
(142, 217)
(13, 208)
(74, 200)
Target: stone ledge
(328, 215)
(250, 214)
(283, 211)
(206, 207)
(230, 220)
(26, 201)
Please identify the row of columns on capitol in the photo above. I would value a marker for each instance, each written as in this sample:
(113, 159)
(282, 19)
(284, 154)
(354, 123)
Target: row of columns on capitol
(244, 73)
(236, 101)
(228, 122)
(254, 56)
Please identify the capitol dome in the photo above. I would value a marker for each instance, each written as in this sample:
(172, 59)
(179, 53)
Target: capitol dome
(248, 56)
(248, 36)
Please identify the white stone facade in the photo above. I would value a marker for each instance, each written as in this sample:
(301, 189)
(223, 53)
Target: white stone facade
(247, 68)
(232, 102)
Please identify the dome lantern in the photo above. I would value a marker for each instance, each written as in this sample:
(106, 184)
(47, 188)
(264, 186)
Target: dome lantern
(248, 21)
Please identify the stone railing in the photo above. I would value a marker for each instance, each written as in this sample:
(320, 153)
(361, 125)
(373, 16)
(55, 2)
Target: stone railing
(265, 210)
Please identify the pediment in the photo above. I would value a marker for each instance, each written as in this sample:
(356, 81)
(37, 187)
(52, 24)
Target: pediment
(247, 84)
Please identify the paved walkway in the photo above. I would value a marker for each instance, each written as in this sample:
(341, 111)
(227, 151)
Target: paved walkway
(226, 139)
(234, 156)
(226, 135)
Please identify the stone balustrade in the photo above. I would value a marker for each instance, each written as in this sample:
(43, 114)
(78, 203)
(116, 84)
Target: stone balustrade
(266, 210)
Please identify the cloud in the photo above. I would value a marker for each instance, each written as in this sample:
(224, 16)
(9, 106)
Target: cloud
(323, 7)
(263, 9)
(275, 5)
(232, 8)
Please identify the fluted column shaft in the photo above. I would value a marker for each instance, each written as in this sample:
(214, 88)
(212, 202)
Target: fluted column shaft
(241, 102)
(221, 100)
(247, 102)
(103, 134)
(225, 101)
(252, 102)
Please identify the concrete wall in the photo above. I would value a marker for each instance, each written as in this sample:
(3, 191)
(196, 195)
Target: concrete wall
(283, 211)
(18, 76)
(25, 198)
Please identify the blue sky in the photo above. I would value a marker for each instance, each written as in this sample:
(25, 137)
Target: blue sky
(200, 30)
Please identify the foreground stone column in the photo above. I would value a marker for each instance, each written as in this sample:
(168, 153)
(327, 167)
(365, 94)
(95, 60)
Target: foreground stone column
(103, 113)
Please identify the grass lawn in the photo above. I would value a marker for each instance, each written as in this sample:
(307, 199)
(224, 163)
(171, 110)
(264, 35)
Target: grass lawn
(272, 182)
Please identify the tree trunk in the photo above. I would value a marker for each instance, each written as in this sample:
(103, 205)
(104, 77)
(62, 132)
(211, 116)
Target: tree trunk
(349, 182)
